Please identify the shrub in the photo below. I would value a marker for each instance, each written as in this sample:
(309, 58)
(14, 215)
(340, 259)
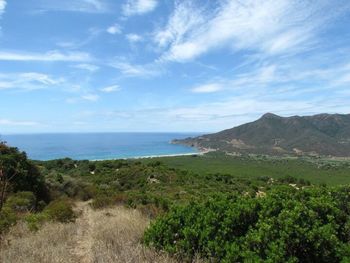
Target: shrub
(21, 173)
(150, 210)
(7, 219)
(35, 221)
(105, 200)
(86, 192)
(288, 225)
(21, 202)
(102, 201)
(60, 210)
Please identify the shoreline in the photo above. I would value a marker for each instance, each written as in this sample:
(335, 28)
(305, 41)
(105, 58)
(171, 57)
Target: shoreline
(200, 152)
(129, 158)
(146, 157)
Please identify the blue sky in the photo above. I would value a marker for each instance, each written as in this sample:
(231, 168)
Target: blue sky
(151, 65)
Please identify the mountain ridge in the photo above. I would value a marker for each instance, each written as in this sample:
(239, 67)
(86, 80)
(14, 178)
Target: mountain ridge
(318, 135)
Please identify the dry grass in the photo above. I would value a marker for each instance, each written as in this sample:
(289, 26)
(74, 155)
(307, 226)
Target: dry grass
(98, 236)
(117, 236)
(49, 244)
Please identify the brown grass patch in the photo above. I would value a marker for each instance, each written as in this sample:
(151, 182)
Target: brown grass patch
(117, 237)
(98, 236)
(49, 244)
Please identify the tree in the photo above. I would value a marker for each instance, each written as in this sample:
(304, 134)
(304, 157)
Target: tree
(17, 173)
(5, 180)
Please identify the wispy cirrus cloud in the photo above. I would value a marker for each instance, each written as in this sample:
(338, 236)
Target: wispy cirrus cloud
(90, 97)
(135, 70)
(92, 34)
(114, 29)
(88, 67)
(207, 88)
(84, 6)
(87, 97)
(139, 7)
(133, 38)
(27, 81)
(50, 56)
(218, 115)
(17, 123)
(110, 89)
(267, 27)
(2, 7)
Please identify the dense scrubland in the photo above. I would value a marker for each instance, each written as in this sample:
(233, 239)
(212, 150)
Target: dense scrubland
(215, 208)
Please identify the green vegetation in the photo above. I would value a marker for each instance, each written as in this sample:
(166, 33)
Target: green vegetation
(22, 187)
(17, 174)
(286, 225)
(60, 210)
(7, 219)
(24, 193)
(223, 208)
(315, 170)
(147, 184)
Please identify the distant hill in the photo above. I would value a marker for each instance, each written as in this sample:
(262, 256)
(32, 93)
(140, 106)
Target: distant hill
(322, 134)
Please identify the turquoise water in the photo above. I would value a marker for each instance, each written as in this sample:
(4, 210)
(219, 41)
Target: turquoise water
(97, 146)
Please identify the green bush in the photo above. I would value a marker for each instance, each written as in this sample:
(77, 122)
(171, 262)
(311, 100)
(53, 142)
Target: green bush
(60, 210)
(16, 203)
(34, 221)
(7, 219)
(102, 201)
(24, 175)
(105, 200)
(21, 202)
(309, 225)
(86, 192)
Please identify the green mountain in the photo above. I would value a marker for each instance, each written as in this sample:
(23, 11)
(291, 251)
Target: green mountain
(322, 134)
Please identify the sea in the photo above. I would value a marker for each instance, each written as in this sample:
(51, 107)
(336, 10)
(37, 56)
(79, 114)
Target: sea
(98, 146)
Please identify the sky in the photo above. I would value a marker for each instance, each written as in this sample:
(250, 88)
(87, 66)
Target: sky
(161, 66)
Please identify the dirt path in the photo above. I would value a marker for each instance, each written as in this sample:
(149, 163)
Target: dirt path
(84, 241)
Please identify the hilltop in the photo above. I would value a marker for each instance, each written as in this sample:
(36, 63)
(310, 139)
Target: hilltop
(318, 135)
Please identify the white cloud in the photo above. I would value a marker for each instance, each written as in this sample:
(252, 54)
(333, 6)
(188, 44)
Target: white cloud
(17, 123)
(207, 88)
(88, 67)
(216, 116)
(90, 97)
(133, 70)
(5, 85)
(38, 77)
(2, 10)
(182, 22)
(269, 27)
(2, 6)
(258, 77)
(133, 38)
(114, 29)
(138, 7)
(92, 34)
(84, 6)
(110, 89)
(48, 56)
(27, 81)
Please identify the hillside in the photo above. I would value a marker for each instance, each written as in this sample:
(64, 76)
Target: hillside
(322, 134)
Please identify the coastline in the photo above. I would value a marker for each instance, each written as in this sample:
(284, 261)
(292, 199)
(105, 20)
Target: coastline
(200, 152)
